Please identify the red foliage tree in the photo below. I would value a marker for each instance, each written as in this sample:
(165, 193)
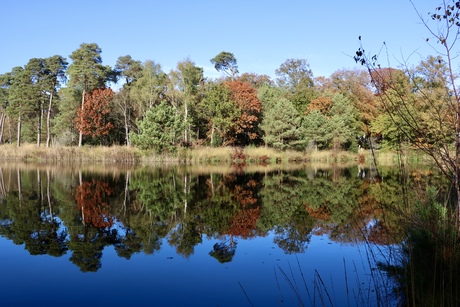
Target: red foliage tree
(91, 201)
(244, 129)
(92, 117)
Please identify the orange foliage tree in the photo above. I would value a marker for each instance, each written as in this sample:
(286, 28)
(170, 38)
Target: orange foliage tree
(322, 104)
(245, 128)
(92, 117)
(91, 201)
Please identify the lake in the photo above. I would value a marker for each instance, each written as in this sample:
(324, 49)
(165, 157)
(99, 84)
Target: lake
(198, 236)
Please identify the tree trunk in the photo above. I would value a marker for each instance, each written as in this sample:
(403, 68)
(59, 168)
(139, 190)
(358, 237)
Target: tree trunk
(10, 132)
(126, 201)
(457, 168)
(212, 135)
(48, 192)
(48, 121)
(39, 126)
(2, 127)
(2, 184)
(19, 131)
(19, 186)
(80, 135)
(39, 188)
(80, 180)
(185, 123)
(128, 143)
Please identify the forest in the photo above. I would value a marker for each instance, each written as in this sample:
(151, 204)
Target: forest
(79, 101)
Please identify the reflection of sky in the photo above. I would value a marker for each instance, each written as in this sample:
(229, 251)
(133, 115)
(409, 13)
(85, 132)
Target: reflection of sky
(259, 267)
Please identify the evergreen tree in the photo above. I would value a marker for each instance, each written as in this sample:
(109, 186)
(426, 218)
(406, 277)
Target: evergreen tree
(158, 129)
(281, 126)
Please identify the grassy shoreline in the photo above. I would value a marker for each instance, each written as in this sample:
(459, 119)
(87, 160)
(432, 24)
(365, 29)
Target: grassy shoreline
(202, 155)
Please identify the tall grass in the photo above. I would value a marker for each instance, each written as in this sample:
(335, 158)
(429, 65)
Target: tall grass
(32, 153)
(428, 269)
(198, 155)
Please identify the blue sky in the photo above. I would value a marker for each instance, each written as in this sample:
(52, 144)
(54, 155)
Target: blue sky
(261, 34)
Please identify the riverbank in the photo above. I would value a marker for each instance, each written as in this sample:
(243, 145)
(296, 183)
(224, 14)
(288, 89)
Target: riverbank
(201, 155)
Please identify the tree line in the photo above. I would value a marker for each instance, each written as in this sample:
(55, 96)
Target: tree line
(58, 103)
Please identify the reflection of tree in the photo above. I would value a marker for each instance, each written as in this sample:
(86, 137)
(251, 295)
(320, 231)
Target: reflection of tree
(242, 206)
(25, 220)
(245, 189)
(128, 244)
(165, 196)
(86, 251)
(244, 222)
(91, 199)
(152, 206)
(295, 235)
(284, 211)
(224, 251)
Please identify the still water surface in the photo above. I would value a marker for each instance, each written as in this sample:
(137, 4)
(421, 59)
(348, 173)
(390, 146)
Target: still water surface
(181, 237)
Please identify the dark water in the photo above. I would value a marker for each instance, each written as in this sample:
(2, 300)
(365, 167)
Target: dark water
(188, 237)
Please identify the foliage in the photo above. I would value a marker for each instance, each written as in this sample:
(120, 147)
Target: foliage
(218, 113)
(244, 130)
(87, 73)
(158, 130)
(184, 96)
(226, 62)
(282, 127)
(257, 81)
(149, 88)
(91, 201)
(92, 118)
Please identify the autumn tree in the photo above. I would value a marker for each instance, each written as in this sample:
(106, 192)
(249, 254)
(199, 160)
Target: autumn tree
(245, 129)
(226, 62)
(356, 86)
(437, 96)
(93, 119)
(323, 104)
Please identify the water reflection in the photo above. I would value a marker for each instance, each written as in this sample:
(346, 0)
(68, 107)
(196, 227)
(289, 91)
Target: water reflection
(83, 212)
(59, 211)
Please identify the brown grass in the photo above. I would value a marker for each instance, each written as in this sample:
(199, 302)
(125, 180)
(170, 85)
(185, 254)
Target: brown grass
(198, 155)
(32, 153)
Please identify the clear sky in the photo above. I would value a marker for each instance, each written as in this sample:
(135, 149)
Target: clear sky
(261, 34)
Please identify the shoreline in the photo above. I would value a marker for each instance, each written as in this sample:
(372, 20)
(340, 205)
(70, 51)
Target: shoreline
(199, 155)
